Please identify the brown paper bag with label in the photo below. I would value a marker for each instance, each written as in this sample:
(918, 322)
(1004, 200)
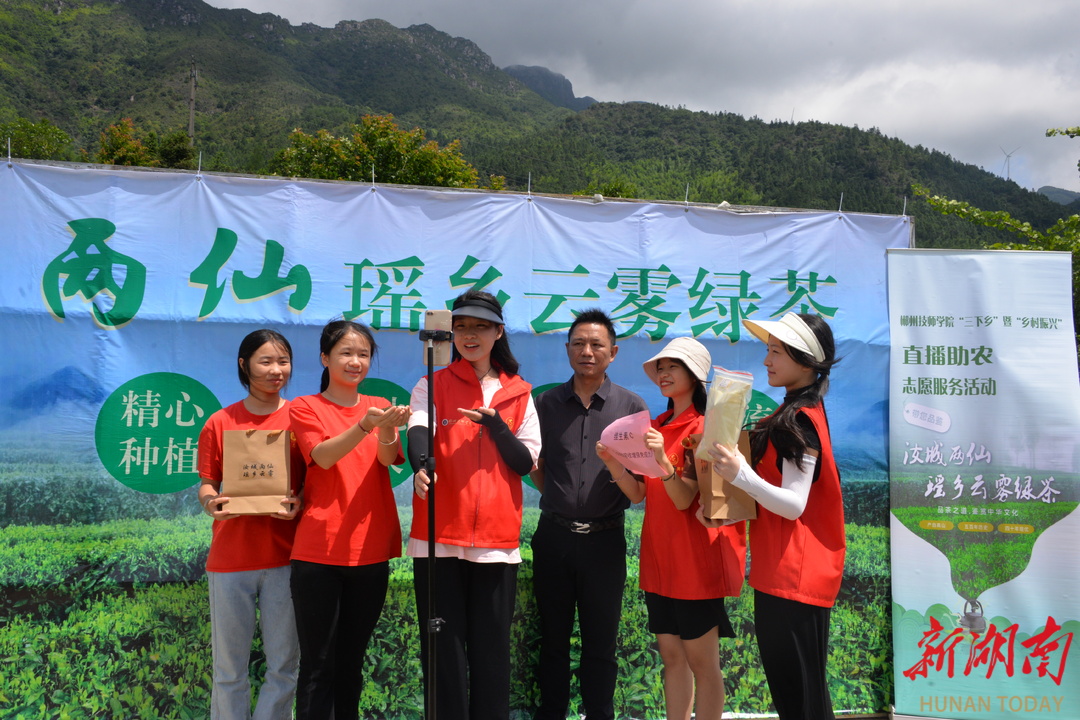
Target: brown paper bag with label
(720, 500)
(255, 468)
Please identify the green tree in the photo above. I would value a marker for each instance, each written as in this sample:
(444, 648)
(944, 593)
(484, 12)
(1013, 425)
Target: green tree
(173, 150)
(617, 188)
(119, 146)
(123, 144)
(378, 146)
(1072, 132)
(1064, 235)
(38, 141)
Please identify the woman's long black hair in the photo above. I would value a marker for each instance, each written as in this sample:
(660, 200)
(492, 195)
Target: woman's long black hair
(782, 427)
(252, 342)
(331, 335)
(501, 357)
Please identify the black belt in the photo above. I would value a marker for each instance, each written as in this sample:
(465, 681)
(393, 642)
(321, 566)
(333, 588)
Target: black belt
(584, 527)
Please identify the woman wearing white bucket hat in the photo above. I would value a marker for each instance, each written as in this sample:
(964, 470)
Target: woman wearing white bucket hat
(686, 569)
(797, 541)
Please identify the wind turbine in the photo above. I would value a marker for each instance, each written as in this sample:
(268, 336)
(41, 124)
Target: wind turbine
(1008, 160)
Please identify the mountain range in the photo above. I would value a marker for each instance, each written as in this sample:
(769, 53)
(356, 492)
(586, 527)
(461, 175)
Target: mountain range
(86, 64)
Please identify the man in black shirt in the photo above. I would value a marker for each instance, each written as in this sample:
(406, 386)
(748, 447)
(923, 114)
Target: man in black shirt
(579, 549)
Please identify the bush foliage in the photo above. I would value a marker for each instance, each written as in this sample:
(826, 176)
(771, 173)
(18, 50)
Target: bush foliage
(112, 620)
(375, 150)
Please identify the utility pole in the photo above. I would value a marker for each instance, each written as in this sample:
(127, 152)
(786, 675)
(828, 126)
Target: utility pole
(191, 103)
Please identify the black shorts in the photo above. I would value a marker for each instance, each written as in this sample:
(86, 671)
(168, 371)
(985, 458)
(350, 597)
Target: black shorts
(689, 619)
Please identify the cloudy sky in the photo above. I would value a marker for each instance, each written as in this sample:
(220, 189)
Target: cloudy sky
(977, 80)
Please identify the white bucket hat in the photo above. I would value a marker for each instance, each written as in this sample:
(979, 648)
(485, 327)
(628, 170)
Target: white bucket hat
(791, 330)
(691, 352)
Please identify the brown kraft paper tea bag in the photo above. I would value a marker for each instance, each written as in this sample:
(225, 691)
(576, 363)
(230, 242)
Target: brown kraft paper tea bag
(255, 468)
(720, 500)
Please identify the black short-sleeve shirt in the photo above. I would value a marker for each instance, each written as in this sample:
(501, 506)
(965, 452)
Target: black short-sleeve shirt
(577, 484)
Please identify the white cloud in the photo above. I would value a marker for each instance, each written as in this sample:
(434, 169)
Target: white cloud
(964, 77)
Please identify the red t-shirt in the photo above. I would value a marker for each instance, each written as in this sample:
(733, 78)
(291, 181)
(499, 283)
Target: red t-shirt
(247, 542)
(349, 516)
(680, 557)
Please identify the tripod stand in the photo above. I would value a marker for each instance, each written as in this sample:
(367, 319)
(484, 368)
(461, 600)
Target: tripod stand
(434, 623)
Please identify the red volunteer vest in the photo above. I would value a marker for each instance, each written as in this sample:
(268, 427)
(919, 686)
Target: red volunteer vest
(802, 559)
(478, 497)
(680, 557)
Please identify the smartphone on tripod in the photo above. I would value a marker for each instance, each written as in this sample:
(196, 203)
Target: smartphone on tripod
(441, 323)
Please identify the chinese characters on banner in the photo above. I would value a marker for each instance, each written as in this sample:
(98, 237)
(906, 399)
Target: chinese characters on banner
(985, 482)
(171, 297)
(147, 431)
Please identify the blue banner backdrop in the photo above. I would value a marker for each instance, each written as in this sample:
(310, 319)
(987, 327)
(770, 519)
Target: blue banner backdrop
(124, 293)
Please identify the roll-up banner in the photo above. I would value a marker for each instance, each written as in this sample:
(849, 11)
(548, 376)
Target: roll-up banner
(984, 454)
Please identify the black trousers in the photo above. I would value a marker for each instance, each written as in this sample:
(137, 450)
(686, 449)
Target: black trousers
(585, 573)
(793, 639)
(472, 650)
(336, 609)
